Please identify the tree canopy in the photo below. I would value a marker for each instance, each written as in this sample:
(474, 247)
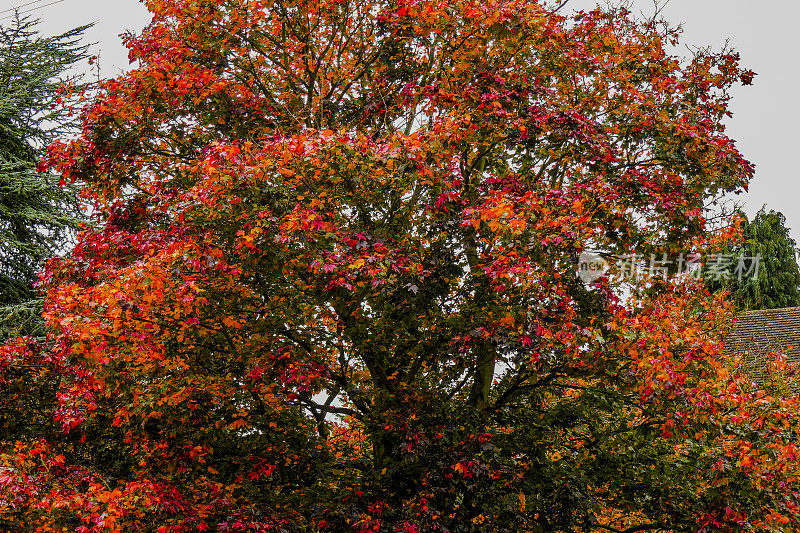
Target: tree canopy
(334, 287)
(762, 270)
(36, 214)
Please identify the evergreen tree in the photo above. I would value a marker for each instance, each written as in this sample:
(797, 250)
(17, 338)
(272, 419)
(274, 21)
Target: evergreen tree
(762, 268)
(37, 215)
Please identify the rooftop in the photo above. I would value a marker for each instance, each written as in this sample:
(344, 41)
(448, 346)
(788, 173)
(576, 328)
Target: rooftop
(757, 332)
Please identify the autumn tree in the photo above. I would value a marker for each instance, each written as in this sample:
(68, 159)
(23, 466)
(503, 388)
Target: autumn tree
(36, 214)
(334, 287)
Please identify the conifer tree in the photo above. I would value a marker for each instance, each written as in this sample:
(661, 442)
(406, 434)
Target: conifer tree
(37, 214)
(763, 271)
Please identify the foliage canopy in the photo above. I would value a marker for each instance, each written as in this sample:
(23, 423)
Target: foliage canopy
(335, 286)
(37, 216)
(767, 250)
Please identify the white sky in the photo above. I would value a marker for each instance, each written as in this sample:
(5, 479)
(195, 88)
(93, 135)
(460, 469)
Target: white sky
(765, 32)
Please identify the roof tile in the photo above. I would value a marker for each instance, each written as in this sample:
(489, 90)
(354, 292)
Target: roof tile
(757, 332)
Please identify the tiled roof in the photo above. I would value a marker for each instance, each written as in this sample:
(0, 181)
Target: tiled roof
(757, 332)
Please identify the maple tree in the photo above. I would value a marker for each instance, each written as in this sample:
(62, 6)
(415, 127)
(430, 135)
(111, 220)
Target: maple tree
(335, 284)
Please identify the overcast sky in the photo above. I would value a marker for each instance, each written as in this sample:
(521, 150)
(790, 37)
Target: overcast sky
(766, 115)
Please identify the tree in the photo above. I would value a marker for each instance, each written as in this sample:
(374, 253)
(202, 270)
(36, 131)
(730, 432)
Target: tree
(37, 216)
(335, 288)
(763, 271)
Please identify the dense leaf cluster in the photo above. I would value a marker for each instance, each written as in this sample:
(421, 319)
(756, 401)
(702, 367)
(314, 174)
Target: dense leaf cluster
(335, 288)
(37, 216)
(761, 270)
